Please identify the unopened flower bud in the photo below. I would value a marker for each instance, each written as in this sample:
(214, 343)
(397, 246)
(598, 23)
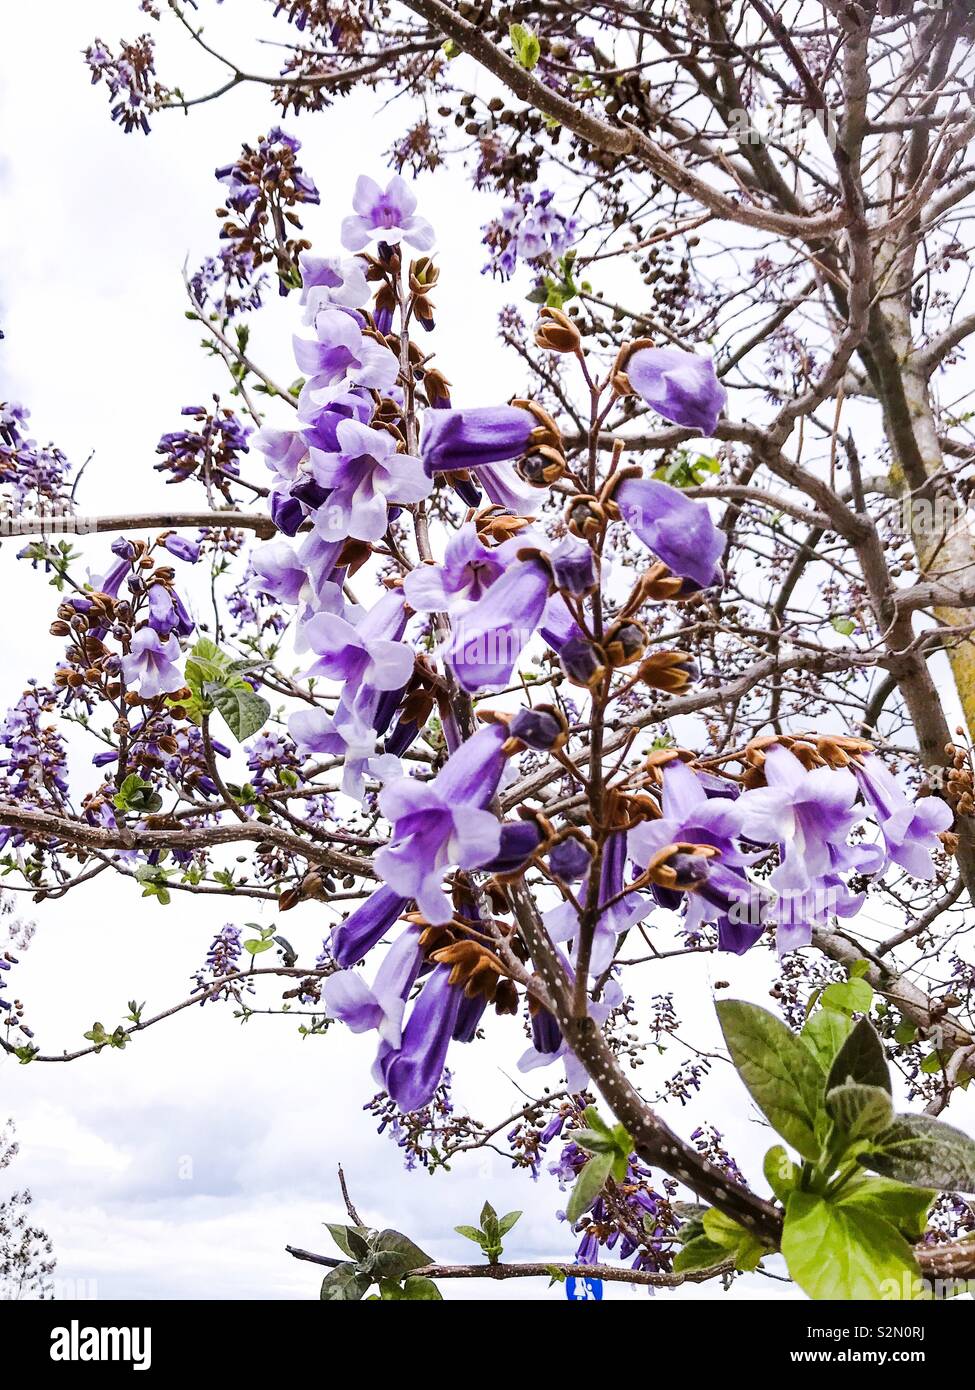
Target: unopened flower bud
(625, 643)
(581, 662)
(585, 517)
(543, 728)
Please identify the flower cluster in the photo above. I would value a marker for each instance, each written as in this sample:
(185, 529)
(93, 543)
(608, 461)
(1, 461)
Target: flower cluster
(32, 475)
(130, 77)
(529, 229)
(776, 846)
(261, 190)
(210, 452)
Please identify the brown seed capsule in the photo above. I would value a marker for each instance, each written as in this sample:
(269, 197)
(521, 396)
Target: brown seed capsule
(556, 332)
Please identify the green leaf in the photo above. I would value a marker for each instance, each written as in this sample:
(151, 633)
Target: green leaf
(418, 1289)
(738, 1243)
(410, 1256)
(780, 1073)
(781, 1173)
(848, 996)
(506, 1222)
(699, 1253)
(904, 1207)
(840, 1251)
(859, 1112)
(525, 44)
(924, 1152)
(824, 1033)
(241, 708)
(594, 1142)
(861, 1058)
(844, 626)
(343, 1285)
(256, 947)
(589, 1184)
(471, 1233)
(341, 1234)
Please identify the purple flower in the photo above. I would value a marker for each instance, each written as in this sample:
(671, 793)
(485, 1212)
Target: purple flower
(369, 657)
(367, 925)
(412, 1071)
(489, 636)
(150, 664)
(467, 439)
(807, 814)
(182, 547)
(364, 475)
(441, 823)
(389, 216)
(679, 532)
(341, 357)
(469, 569)
(277, 571)
(617, 910)
(328, 280)
(283, 451)
(347, 997)
(910, 829)
(680, 386)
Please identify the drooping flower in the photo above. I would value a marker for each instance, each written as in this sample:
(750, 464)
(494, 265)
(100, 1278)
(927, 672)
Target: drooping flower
(466, 439)
(489, 636)
(367, 925)
(910, 828)
(411, 1071)
(617, 910)
(681, 386)
(364, 476)
(386, 215)
(150, 664)
(679, 531)
(442, 823)
(362, 1008)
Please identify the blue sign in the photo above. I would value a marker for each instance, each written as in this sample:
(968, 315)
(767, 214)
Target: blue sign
(588, 1289)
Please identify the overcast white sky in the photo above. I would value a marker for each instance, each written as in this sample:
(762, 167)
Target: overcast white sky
(181, 1167)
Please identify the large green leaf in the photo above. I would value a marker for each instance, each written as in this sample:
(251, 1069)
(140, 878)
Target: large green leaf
(824, 1033)
(844, 1252)
(242, 709)
(859, 1112)
(396, 1254)
(343, 1285)
(781, 1074)
(342, 1236)
(904, 1207)
(861, 1058)
(916, 1149)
